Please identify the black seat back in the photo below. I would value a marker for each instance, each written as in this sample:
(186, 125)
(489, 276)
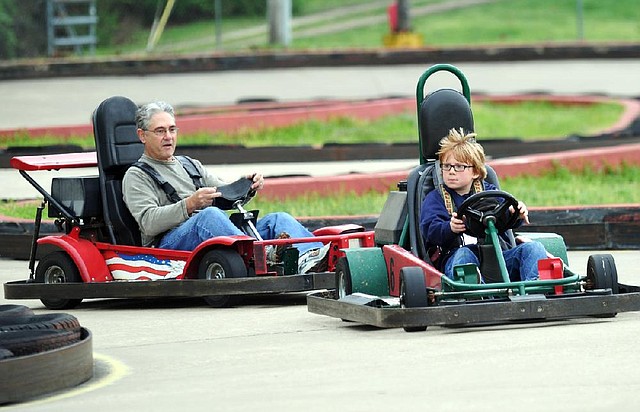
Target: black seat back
(117, 147)
(439, 112)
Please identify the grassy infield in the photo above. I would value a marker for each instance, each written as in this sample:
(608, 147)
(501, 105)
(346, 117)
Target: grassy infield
(500, 22)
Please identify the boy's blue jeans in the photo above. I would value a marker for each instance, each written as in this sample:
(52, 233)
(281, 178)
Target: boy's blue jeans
(212, 222)
(521, 261)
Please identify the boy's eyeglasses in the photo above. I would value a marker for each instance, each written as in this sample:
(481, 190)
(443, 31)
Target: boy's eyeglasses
(161, 131)
(458, 168)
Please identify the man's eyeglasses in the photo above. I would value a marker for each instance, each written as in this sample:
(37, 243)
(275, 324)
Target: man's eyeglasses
(161, 131)
(458, 168)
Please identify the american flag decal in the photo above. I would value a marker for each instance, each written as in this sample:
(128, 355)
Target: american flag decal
(142, 267)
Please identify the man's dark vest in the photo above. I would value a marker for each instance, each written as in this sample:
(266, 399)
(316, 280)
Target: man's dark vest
(170, 191)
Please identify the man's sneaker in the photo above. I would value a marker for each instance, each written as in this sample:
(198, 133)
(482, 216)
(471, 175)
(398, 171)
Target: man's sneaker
(314, 260)
(274, 253)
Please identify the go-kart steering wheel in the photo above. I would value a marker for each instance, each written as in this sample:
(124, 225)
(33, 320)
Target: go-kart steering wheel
(494, 205)
(238, 192)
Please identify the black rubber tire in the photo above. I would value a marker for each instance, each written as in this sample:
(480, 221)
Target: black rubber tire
(12, 311)
(27, 342)
(52, 321)
(58, 267)
(602, 272)
(5, 353)
(222, 264)
(413, 292)
(343, 278)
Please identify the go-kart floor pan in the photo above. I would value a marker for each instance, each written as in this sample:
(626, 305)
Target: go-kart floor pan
(169, 288)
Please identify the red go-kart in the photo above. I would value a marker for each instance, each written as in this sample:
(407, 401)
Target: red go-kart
(99, 255)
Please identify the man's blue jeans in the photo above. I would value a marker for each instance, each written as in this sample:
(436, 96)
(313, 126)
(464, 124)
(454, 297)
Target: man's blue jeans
(212, 222)
(521, 261)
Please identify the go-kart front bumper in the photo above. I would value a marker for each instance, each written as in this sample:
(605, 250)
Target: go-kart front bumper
(386, 313)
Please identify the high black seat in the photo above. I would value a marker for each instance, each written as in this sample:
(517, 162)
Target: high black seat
(117, 147)
(439, 112)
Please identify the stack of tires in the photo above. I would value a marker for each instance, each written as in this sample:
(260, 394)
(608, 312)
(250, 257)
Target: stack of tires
(41, 353)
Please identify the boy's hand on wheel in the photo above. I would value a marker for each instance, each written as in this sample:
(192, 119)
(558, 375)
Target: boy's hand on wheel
(456, 224)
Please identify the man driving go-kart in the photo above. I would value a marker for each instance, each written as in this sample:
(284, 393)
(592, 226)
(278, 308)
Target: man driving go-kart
(186, 215)
(172, 237)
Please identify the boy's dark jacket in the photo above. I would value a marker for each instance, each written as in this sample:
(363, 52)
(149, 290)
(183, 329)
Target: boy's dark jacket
(435, 228)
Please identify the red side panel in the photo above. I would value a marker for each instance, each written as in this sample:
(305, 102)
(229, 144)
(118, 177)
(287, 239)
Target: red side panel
(338, 230)
(84, 253)
(396, 258)
(551, 268)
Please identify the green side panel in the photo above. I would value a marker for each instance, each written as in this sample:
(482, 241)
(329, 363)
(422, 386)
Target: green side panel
(553, 243)
(368, 271)
(469, 274)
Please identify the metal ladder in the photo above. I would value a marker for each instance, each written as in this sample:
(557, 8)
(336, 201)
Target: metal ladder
(71, 24)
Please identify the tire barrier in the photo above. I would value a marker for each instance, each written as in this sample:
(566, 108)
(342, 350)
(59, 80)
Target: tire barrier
(40, 354)
(13, 311)
(49, 321)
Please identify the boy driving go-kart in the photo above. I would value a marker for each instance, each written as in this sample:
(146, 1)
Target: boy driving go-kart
(445, 253)
(444, 227)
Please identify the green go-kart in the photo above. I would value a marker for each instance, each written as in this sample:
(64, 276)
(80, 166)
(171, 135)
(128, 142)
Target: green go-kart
(395, 283)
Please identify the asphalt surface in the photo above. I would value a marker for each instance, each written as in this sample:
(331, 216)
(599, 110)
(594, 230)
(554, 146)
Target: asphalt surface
(70, 101)
(271, 354)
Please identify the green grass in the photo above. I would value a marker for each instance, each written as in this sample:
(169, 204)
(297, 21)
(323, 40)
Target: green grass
(504, 22)
(560, 187)
(532, 120)
(543, 120)
(499, 22)
(315, 6)
(557, 187)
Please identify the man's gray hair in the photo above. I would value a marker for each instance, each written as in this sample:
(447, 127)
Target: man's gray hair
(147, 111)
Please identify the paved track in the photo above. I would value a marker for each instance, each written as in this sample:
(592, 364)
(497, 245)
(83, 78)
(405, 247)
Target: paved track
(70, 101)
(272, 355)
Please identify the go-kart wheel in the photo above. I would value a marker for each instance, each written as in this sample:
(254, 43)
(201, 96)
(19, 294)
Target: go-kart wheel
(495, 205)
(343, 278)
(58, 267)
(221, 264)
(413, 292)
(602, 273)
